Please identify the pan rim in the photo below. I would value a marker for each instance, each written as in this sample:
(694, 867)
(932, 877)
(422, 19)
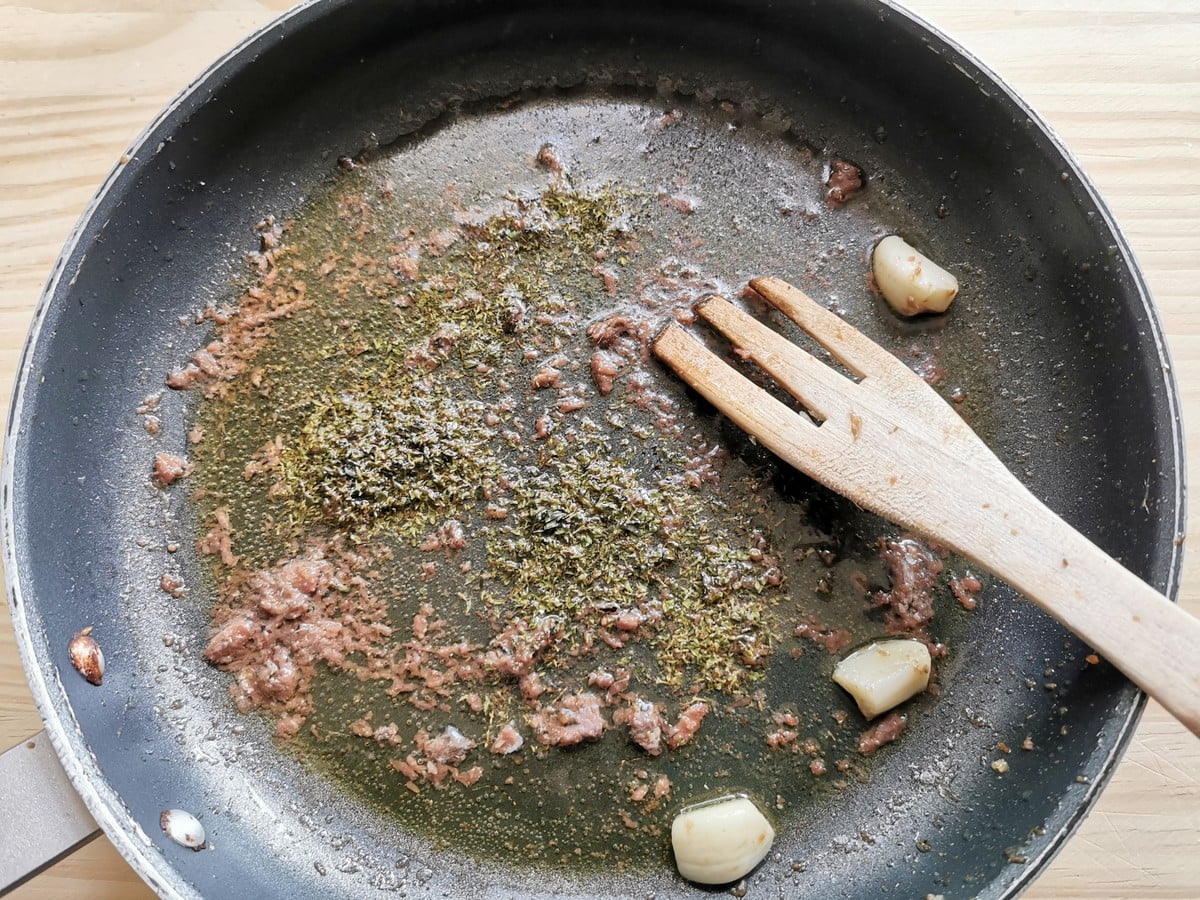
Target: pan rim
(1035, 866)
(63, 731)
(61, 728)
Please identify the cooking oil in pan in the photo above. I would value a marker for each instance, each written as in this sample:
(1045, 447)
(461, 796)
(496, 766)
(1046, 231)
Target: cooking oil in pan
(442, 389)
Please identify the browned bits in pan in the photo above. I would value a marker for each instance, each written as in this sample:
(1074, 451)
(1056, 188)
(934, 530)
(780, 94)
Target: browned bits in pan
(844, 181)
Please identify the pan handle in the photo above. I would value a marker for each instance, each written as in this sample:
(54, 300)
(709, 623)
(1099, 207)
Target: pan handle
(42, 818)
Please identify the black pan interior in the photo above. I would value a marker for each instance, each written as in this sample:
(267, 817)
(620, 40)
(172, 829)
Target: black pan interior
(1073, 393)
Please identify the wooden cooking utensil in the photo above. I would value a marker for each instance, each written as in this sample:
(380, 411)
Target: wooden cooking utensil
(893, 446)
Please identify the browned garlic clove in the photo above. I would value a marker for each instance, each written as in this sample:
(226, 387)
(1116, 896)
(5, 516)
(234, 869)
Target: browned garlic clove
(86, 656)
(183, 828)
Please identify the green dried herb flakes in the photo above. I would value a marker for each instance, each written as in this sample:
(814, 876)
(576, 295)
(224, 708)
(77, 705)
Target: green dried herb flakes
(589, 536)
(383, 386)
(502, 284)
(583, 535)
(581, 220)
(718, 609)
(404, 459)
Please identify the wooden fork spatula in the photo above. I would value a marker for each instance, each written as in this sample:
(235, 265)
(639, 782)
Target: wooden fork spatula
(893, 446)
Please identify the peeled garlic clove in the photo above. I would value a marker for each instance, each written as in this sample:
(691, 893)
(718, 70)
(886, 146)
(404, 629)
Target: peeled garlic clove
(884, 674)
(910, 281)
(183, 828)
(86, 656)
(721, 840)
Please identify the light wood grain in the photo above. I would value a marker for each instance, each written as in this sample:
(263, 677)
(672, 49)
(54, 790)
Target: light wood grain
(1118, 79)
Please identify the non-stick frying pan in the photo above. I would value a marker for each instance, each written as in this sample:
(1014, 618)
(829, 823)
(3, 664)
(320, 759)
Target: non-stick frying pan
(1072, 340)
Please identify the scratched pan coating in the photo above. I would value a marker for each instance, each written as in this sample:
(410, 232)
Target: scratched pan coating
(1055, 343)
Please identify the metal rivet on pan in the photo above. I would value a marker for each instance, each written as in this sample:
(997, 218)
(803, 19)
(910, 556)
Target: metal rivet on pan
(183, 828)
(86, 656)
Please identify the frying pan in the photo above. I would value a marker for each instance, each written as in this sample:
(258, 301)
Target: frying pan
(169, 227)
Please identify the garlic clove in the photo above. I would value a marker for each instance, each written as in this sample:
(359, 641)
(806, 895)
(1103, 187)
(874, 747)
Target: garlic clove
(86, 656)
(884, 674)
(719, 841)
(911, 282)
(183, 828)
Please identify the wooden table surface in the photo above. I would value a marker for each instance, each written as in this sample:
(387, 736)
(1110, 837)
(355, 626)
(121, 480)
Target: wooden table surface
(1118, 79)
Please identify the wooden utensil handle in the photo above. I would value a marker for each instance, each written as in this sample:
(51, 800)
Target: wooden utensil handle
(948, 486)
(1150, 639)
